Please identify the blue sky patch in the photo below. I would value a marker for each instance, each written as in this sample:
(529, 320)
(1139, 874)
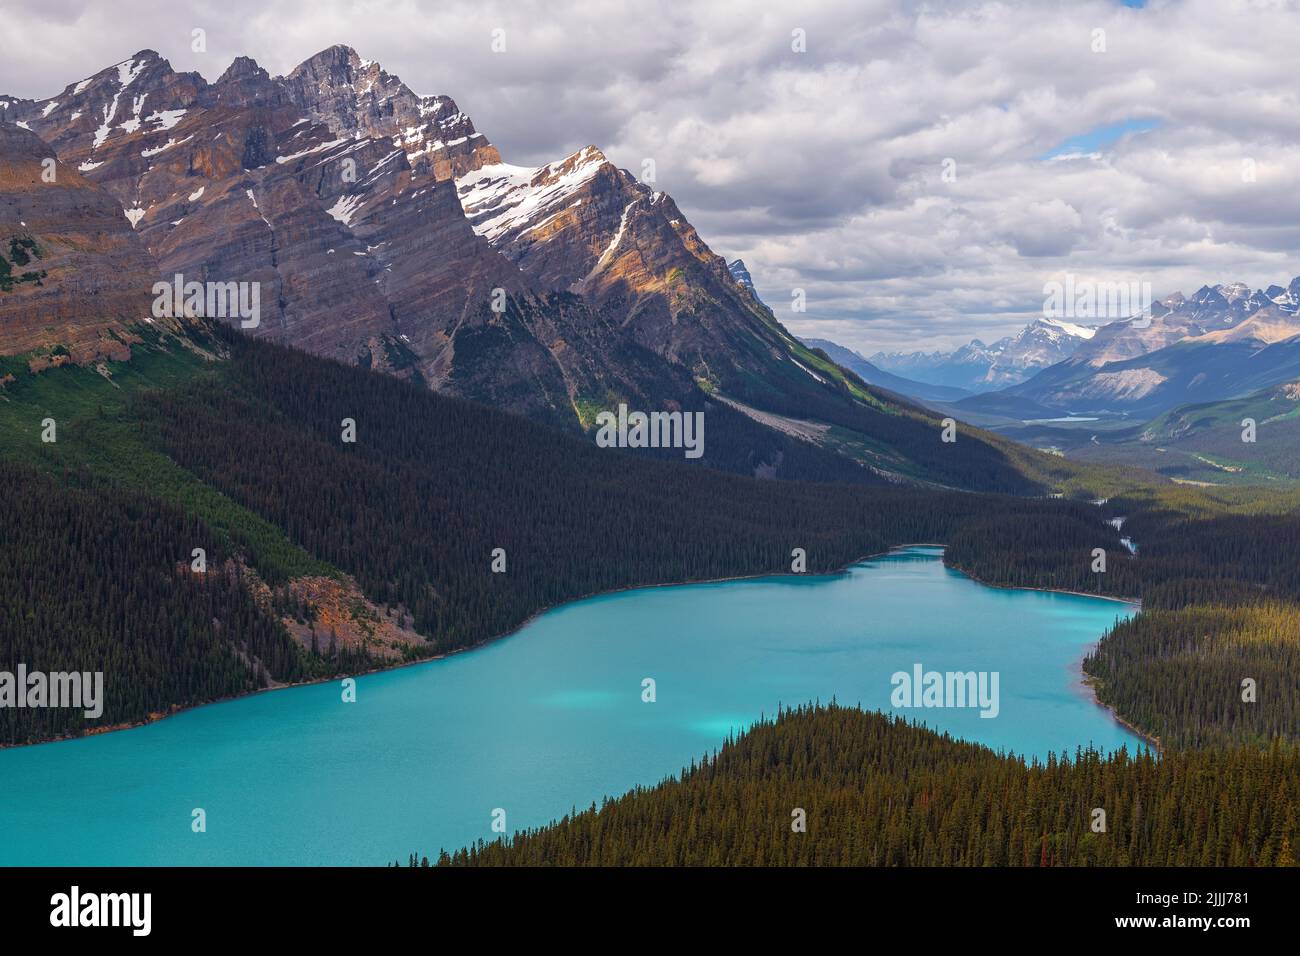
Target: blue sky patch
(1096, 139)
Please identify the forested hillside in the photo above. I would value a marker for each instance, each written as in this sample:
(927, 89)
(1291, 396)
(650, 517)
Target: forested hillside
(876, 791)
(250, 451)
(1220, 590)
(93, 578)
(1182, 675)
(245, 458)
(416, 506)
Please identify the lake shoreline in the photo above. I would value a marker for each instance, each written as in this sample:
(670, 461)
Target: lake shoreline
(382, 668)
(1137, 602)
(277, 686)
(1085, 679)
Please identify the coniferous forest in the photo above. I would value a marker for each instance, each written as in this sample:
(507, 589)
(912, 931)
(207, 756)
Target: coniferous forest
(834, 786)
(95, 579)
(242, 460)
(415, 510)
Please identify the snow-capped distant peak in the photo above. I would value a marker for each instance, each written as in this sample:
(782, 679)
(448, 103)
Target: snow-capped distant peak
(1233, 291)
(1008, 361)
(1070, 328)
(741, 274)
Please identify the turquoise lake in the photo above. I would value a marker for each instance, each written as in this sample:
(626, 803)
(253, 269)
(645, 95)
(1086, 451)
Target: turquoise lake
(549, 718)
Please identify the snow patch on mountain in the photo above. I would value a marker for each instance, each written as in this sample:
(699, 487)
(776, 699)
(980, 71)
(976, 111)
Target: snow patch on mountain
(502, 198)
(345, 208)
(165, 119)
(618, 237)
(165, 146)
(128, 70)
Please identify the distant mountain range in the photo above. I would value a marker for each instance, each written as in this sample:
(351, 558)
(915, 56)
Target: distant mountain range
(977, 367)
(1222, 342)
(873, 375)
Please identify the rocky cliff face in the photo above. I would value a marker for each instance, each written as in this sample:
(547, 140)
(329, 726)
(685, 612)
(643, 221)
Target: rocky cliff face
(339, 192)
(585, 226)
(330, 189)
(357, 99)
(73, 275)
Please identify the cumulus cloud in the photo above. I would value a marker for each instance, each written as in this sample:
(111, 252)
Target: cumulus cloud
(825, 169)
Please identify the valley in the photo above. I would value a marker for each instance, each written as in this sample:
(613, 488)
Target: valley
(1181, 390)
(420, 431)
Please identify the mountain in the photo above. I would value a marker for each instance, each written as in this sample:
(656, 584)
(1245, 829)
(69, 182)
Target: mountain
(741, 275)
(74, 277)
(323, 187)
(1208, 311)
(1222, 342)
(872, 375)
(379, 227)
(586, 227)
(333, 190)
(978, 367)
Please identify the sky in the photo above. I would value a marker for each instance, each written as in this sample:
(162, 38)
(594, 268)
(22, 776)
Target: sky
(919, 170)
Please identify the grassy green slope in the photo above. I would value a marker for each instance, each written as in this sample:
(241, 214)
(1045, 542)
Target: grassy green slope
(1204, 443)
(96, 430)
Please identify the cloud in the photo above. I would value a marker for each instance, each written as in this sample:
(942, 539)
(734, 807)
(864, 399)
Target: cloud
(824, 169)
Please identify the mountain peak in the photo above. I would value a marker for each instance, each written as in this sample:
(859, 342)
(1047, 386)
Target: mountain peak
(334, 67)
(241, 68)
(357, 99)
(1206, 293)
(741, 275)
(587, 156)
(339, 53)
(1233, 291)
